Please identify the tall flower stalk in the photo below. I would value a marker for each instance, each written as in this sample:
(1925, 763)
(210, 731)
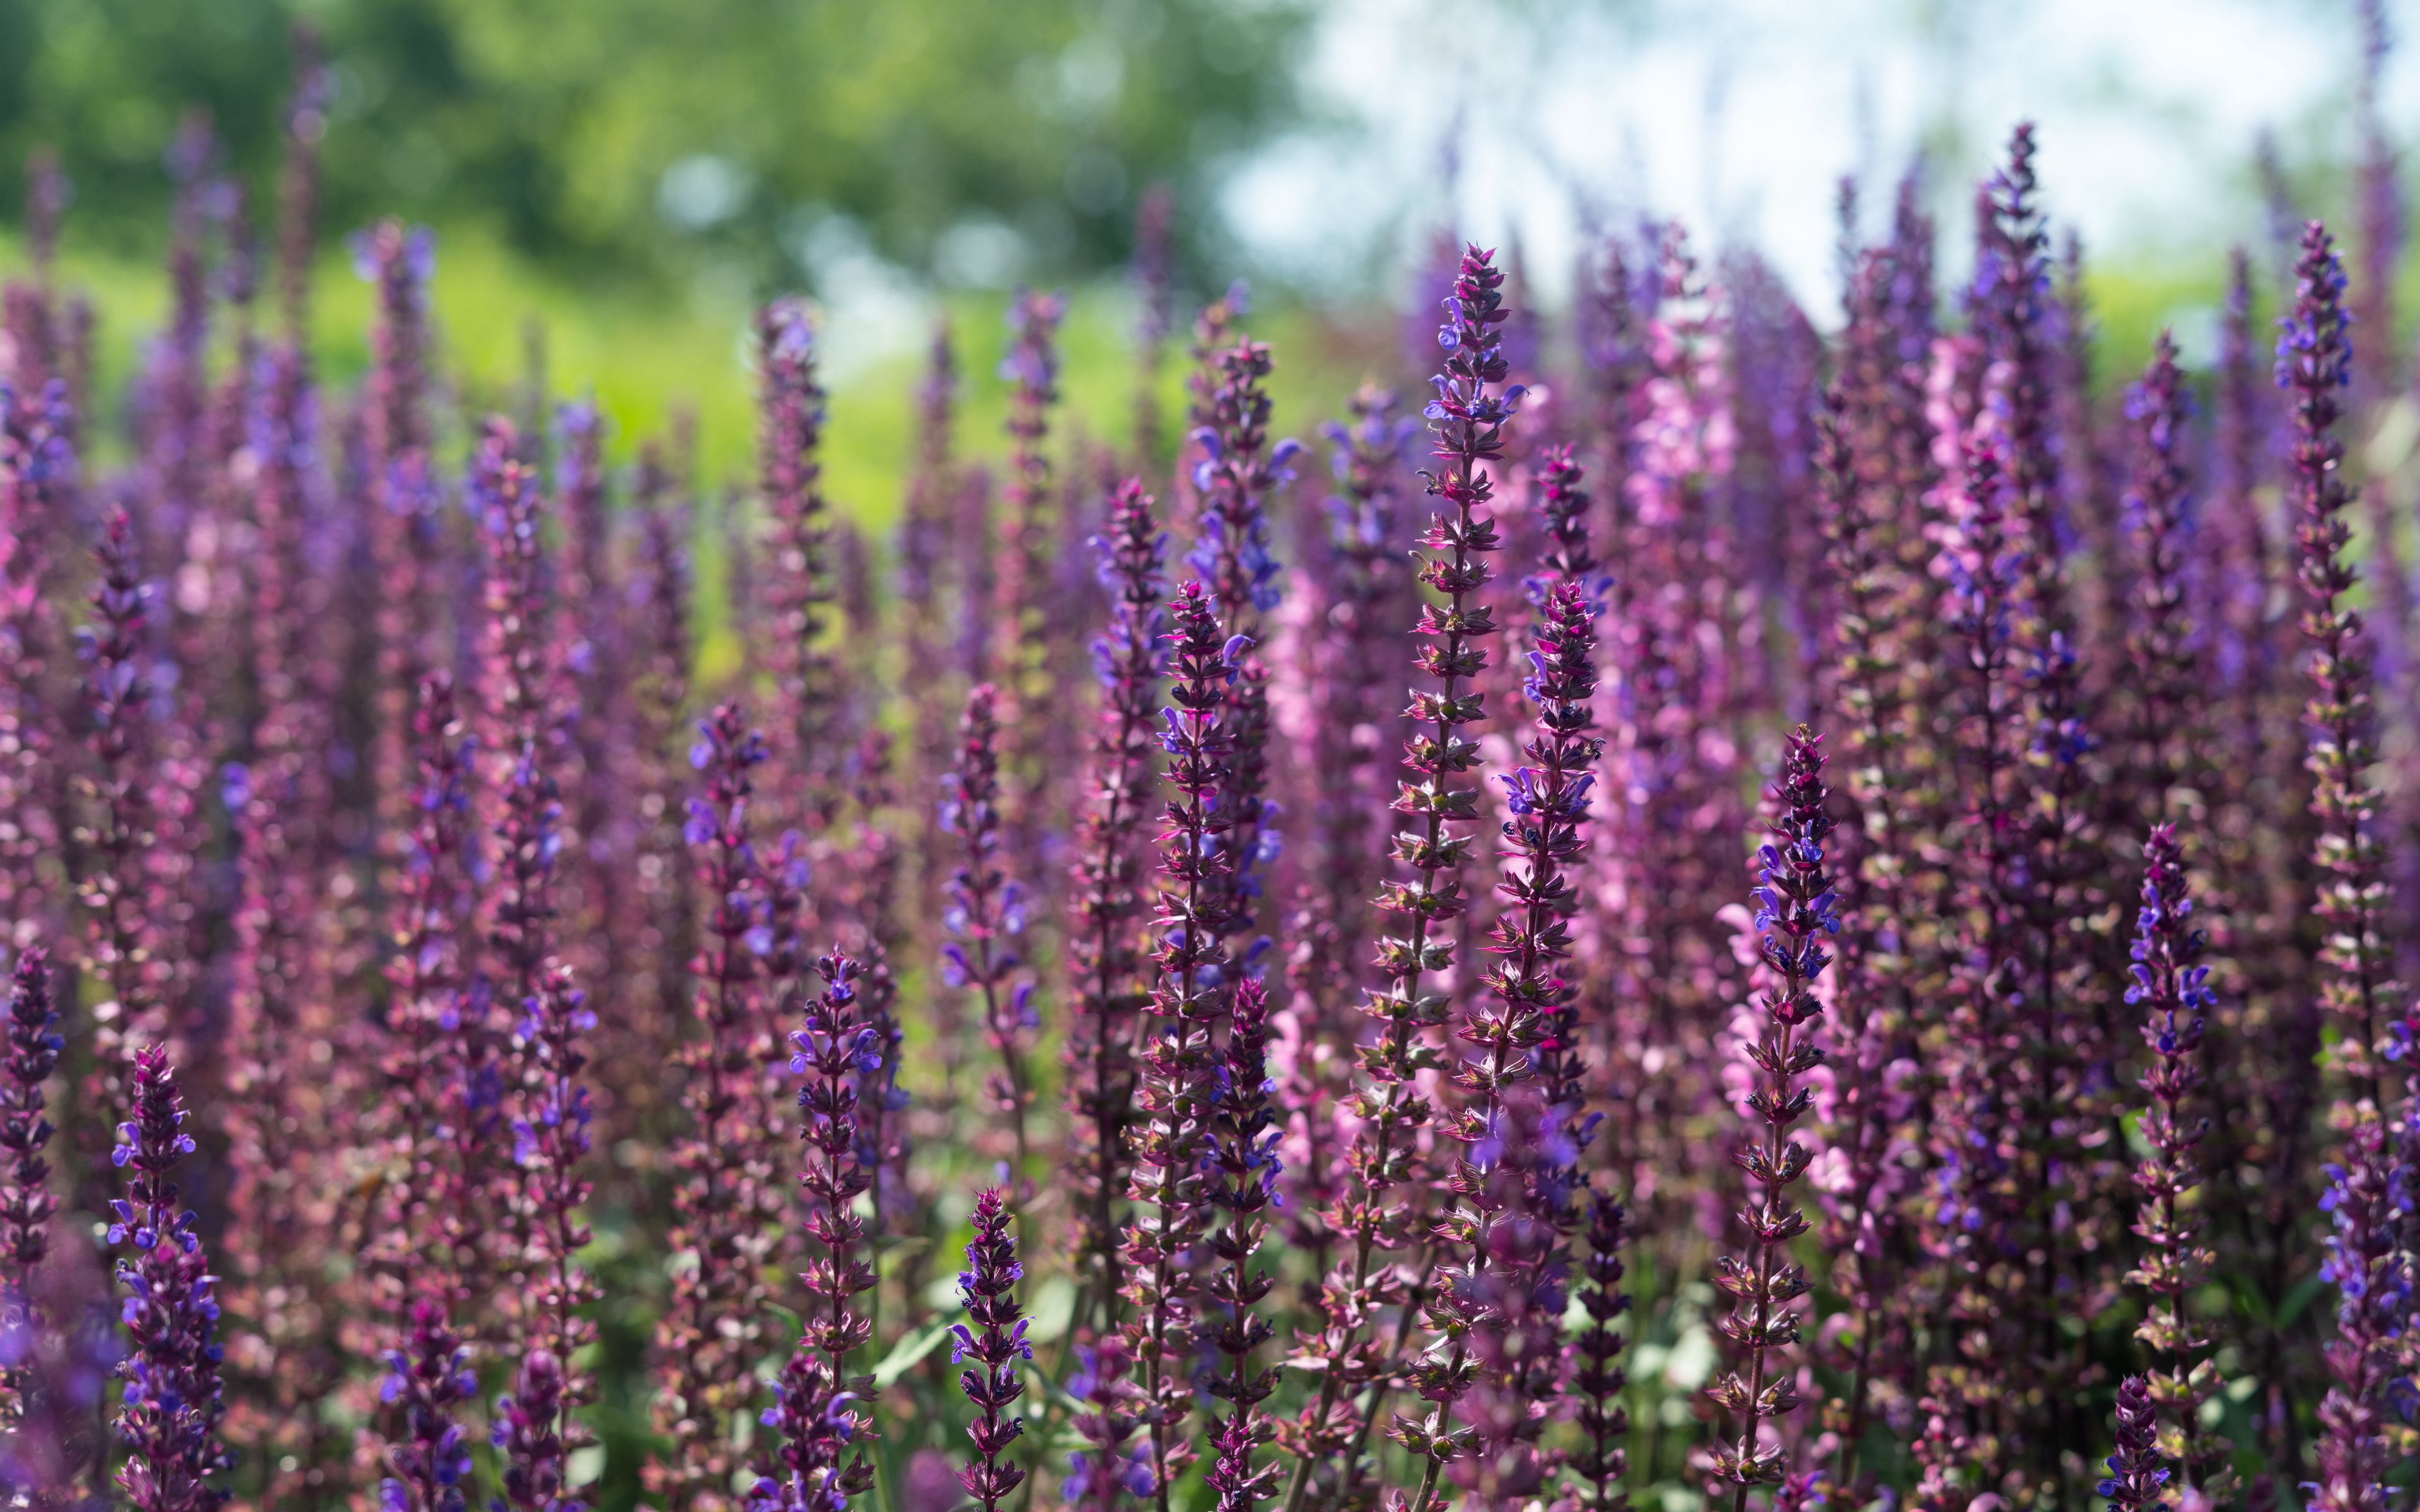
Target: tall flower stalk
(2134, 1479)
(1468, 420)
(550, 1144)
(1598, 1377)
(835, 1048)
(402, 490)
(993, 1338)
(1106, 963)
(428, 1377)
(26, 1201)
(722, 1201)
(2368, 1201)
(288, 1125)
(817, 1405)
(2172, 988)
(1242, 1169)
(1174, 1100)
(1236, 472)
(38, 478)
(2164, 639)
(516, 712)
(169, 1421)
(126, 949)
(987, 913)
(1530, 1030)
(1020, 657)
(797, 580)
(2313, 364)
(1796, 910)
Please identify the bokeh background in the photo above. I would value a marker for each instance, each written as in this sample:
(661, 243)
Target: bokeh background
(627, 176)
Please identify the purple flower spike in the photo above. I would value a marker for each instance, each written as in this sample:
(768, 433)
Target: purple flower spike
(722, 1206)
(2134, 1479)
(428, 1379)
(994, 1339)
(832, 1051)
(1107, 964)
(984, 915)
(529, 1431)
(26, 1201)
(1467, 421)
(1019, 644)
(1796, 917)
(797, 584)
(169, 1422)
(2172, 989)
(816, 1412)
(1598, 1377)
(2314, 365)
(1242, 1166)
(2369, 1200)
(1172, 1104)
(2164, 646)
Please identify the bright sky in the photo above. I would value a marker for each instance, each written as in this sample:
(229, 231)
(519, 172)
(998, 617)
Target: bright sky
(1739, 116)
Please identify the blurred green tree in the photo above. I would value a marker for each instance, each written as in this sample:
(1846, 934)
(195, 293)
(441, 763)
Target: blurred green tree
(975, 140)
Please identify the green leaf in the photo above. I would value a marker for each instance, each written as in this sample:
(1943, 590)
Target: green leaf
(905, 1354)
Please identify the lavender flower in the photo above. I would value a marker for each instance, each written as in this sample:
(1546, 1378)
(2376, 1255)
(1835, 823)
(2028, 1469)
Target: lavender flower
(722, 1204)
(515, 711)
(1520, 1289)
(529, 1434)
(433, 1069)
(127, 945)
(2173, 988)
(37, 476)
(1865, 478)
(987, 913)
(1531, 1029)
(288, 1126)
(1795, 909)
(815, 1408)
(2314, 363)
(2013, 303)
(1243, 1167)
(994, 1338)
(1971, 1127)
(428, 1377)
(2165, 650)
(2134, 1474)
(2381, 216)
(817, 1421)
(835, 1048)
(170, 1419)
(1173, 1102)
(1235, 472)
(1468, 418)
(25, 1199)
(1019, 648)
(402, 493)
(1350, 657)
(797, 584)
(1598, 1378)
(1106, 965)
(2369, 1200)
(1110, 1467)
(660, 591)
(551, 1145)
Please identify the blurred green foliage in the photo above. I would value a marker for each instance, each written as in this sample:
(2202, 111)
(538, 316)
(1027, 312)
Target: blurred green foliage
(979, 140)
